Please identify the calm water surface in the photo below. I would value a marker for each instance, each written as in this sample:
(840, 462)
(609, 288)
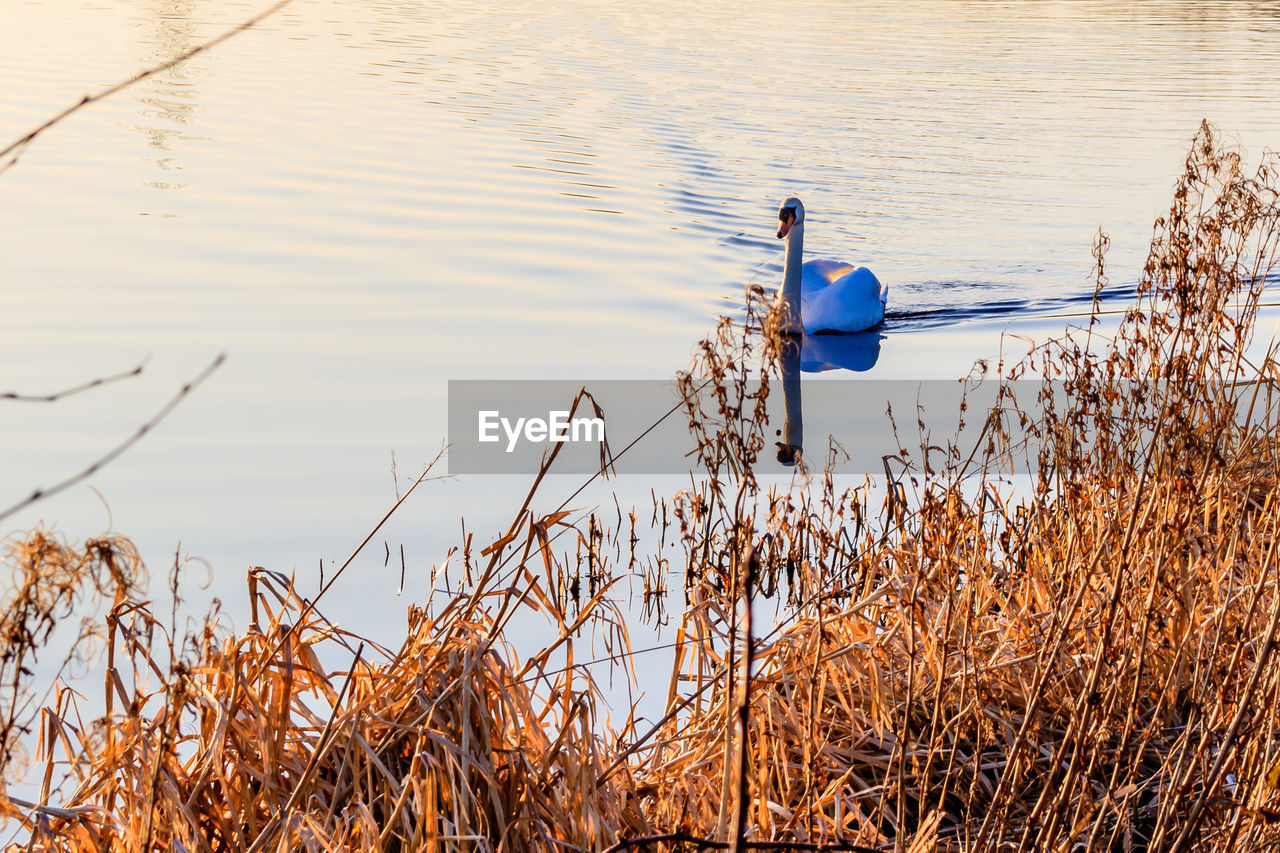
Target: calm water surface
(360, 200)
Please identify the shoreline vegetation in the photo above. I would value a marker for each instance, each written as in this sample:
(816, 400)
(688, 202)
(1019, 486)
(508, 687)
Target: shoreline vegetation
(1091, 667)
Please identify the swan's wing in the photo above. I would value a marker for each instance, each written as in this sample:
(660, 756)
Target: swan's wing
(854, 301)
(818, 274)
(860, 285)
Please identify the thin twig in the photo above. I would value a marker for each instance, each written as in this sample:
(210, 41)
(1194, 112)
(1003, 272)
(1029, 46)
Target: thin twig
(75, 389)
(41, 494)
(14, 150)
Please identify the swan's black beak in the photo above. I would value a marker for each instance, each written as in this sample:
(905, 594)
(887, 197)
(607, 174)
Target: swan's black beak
(787, 216)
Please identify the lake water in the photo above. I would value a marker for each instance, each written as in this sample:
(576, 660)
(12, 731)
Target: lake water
(360, 200)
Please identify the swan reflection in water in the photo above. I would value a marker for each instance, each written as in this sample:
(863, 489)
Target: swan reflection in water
(814, 354)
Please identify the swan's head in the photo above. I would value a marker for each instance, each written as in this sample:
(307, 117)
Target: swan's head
(790, 214)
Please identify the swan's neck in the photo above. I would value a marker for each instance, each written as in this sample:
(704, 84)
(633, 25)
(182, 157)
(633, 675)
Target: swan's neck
(789, 298)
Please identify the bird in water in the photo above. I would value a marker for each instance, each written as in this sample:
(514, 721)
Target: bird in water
(821, 295)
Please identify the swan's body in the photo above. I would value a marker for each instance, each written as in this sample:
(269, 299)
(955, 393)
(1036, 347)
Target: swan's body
(825, 296)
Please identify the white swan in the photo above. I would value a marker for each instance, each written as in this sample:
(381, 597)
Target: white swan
(824, 296)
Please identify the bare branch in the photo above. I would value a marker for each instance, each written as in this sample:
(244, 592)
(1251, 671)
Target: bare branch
(10, 154)
(40, 494)
(67, 392)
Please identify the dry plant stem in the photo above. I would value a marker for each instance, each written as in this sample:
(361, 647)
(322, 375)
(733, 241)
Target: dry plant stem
(495, 550)
(747, 578)
(613, 457)
(1083, 716)
(1192, 822)
(322, 746)
(310, 607)
(107, 458)
(72, 391)
(14, 149)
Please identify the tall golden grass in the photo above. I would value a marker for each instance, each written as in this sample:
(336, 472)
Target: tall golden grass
(1091, 667)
